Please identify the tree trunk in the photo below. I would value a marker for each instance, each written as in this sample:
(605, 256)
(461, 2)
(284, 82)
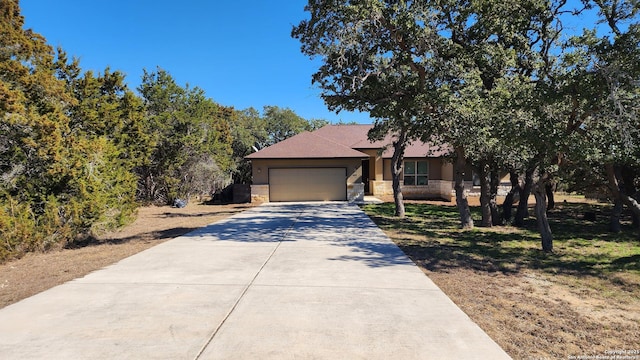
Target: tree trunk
(616, 212)
(617, 189)
(523, 204)
(461, 197)
(550, 197)
(507, 206)
(493, 198)
(539, 191)
(630, 190)
(396, 170)
(397, 195)
(485, 194)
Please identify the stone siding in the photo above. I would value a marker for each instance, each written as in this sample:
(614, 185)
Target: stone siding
(259, 193)
(435, 189)
(381, 187)
(355, 192)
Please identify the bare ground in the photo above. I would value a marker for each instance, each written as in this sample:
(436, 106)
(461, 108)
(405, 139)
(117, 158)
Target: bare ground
(535, 314)
(531, 314)
(36, 272)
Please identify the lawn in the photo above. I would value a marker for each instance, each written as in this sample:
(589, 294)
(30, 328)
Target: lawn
(582, 299)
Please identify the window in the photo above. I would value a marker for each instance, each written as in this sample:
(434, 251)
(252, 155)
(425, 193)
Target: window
(416, 172)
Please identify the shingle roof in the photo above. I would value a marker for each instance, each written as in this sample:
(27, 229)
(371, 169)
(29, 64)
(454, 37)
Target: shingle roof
(353, 136)
(341, 141)
(307, 145)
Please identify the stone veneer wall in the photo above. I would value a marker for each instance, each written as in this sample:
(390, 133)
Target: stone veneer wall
(471, 190)
(379, 187)
(259, 193)
(355, 192)
(435, 189)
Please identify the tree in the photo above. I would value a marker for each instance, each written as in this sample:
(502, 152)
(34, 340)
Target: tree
(377, 58)
(61, 176)
(110, 139)
(248, 132)
(282, 124)
(191, 134)
(32, 142)
(603, 80)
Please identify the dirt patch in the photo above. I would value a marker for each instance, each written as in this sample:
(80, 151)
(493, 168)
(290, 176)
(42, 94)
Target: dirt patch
(534, 317)
(580, 301)
(36, 272)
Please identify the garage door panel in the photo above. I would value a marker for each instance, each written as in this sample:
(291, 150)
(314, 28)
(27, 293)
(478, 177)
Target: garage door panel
(307, 184)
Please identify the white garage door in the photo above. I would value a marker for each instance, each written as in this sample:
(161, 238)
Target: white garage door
(308, 184)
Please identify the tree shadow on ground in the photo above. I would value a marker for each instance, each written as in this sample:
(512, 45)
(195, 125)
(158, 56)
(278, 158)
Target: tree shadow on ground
(430, 235)
(156, 235)
(149, 236)
(335, 225)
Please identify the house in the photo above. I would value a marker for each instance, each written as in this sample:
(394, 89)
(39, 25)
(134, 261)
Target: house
(338, 162)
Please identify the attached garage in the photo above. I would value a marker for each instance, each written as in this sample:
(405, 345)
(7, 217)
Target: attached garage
(307, 167)
(308, 184)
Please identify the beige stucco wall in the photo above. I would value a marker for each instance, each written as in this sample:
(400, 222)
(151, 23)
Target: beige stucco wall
(375, 164)
(447, 170)
(387, 169)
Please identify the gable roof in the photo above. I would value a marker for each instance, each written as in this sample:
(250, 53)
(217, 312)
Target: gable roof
(307, 145)
(341, 141)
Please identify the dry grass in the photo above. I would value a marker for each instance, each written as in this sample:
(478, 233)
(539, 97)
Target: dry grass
(582, 300)
(37, 272)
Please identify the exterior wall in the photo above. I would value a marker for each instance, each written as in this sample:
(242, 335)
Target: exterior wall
(384, 187)
(440, 177)
(441, 189)
(376, 166)
(355, 192)
(259, 193)
(440, 182)
(447, 170)
(435, 169)
(386, 164)
(503, 188)
(260, 174)
(435, 189)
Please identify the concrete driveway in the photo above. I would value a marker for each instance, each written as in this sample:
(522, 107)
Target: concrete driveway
(279, 281)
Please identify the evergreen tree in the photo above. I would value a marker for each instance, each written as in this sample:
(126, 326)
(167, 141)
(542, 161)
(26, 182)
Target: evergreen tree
(32, 140)
(192, 152)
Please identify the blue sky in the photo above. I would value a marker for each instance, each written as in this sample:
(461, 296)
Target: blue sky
(240, 52)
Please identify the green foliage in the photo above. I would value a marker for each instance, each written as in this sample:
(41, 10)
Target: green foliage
(248, 131)
(496, 80)
(79, 149)
(282, 124)
(190, 132)
(252, 131)
(583, 248)
(69, 144)
(32, 141)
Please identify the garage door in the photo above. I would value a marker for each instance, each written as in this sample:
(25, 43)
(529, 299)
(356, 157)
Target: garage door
(308, 184)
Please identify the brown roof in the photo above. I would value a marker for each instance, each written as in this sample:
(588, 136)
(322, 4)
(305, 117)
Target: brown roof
(341, 141)
(307, 145)
(353, 136)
